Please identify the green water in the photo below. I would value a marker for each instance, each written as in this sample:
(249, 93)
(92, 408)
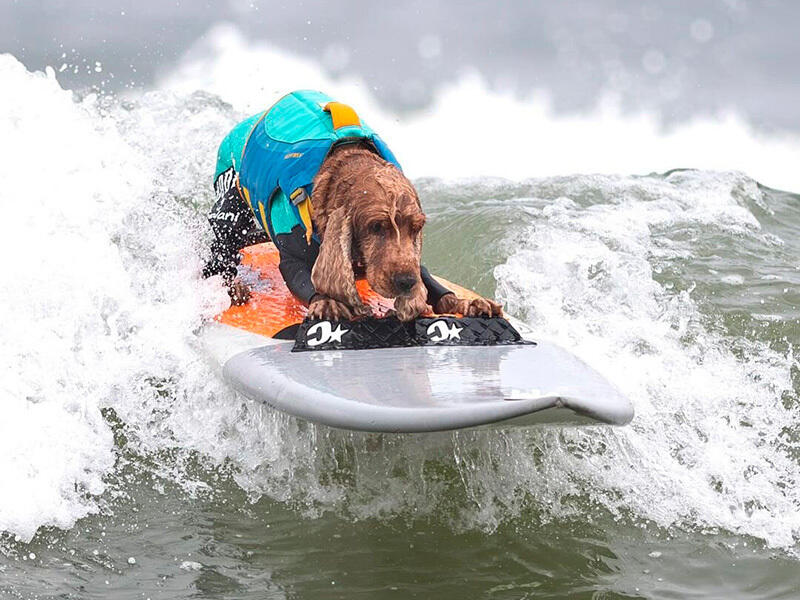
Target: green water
(683, 288)
(226, 547)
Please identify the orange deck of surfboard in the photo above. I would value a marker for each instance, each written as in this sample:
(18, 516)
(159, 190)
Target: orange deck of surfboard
(275, 308)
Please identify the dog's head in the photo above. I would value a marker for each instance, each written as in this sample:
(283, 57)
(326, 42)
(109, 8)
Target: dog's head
(387, 233)
(374, 228)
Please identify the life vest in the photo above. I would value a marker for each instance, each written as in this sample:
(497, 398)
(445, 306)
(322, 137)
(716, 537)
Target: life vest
(285, 149)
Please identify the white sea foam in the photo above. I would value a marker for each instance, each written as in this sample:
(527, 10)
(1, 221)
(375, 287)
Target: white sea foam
(54, 444)
(106, 197)
(470, 131)
(81, 327)
(190, 565)
(707, 444)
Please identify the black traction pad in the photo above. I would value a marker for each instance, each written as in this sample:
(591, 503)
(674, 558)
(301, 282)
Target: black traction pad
(389, 332)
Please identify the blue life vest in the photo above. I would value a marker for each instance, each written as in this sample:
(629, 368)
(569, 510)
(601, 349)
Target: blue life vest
(285, 149)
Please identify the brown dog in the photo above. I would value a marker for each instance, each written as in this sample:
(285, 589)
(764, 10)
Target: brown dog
(369, 219)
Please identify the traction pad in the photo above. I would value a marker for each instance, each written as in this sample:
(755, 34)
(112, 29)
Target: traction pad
(389, 332)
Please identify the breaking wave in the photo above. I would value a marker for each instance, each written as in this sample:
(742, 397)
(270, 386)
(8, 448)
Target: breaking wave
(104, 234)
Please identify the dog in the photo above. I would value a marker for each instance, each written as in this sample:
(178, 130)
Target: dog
(363, 218)
(380, 240)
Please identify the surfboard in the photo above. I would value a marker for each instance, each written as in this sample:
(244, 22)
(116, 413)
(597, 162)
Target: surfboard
(437, 373)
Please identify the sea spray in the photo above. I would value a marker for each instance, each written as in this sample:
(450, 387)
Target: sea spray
(601, 264)
(99, 267)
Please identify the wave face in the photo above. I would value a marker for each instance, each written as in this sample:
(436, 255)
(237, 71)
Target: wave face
(682, 288)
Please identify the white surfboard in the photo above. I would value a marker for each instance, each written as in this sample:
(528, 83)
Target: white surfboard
(418, 388)
(425, 388)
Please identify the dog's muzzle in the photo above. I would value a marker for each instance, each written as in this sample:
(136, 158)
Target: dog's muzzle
(403, 283)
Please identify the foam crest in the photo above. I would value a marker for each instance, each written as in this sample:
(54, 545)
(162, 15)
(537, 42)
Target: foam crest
(470, 130)
(106, 308)
(104, 294)
(54, 444)
(707, 447)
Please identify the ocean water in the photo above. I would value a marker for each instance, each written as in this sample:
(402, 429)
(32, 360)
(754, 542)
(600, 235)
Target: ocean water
(130, 470)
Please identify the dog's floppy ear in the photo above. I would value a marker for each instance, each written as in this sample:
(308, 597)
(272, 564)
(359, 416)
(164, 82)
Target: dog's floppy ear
(332, 274)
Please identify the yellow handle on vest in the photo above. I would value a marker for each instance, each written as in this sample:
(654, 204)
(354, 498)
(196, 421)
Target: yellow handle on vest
(304, 208)
(342, 115)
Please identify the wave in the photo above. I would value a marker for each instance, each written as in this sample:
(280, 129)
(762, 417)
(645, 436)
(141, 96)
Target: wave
(105, 202)
(470, 131)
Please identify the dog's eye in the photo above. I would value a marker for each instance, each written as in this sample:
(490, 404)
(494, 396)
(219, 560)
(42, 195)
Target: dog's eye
(376, 227)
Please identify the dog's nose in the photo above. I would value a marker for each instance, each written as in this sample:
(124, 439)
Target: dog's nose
(403, 282)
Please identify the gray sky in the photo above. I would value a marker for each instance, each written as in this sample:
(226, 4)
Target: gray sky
(680, 57)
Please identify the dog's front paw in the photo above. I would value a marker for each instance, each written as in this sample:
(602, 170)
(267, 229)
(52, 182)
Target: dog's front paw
(328, 309)
(478, 307)
(483, 307)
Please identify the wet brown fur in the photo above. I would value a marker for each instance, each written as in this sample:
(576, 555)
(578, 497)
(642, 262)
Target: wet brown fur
(370, 220)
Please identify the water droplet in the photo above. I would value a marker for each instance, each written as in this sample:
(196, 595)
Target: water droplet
(701, 30)
(654, 62)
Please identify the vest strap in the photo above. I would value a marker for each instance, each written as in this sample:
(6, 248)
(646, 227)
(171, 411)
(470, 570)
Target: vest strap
(342, 115)
(302, 201)
(304, 208)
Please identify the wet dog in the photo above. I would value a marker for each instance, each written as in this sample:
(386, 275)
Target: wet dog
(369, 218)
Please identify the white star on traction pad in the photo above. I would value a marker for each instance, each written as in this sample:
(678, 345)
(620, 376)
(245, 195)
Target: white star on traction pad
(454, 333)
(336, 334)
